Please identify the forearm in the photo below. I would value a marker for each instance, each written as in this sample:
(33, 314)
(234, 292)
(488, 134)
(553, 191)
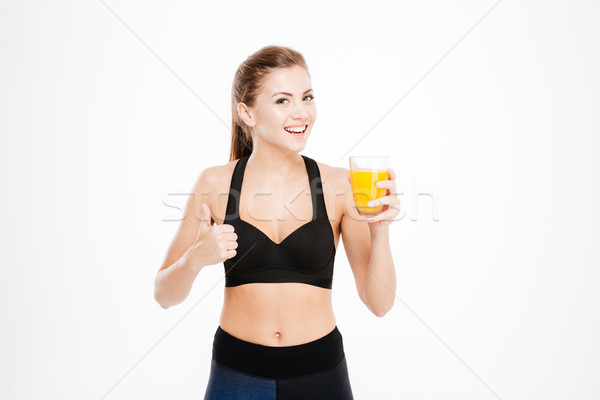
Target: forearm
(380, 283)
(173, 284)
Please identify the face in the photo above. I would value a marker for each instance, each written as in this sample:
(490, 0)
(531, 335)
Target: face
(285, 104)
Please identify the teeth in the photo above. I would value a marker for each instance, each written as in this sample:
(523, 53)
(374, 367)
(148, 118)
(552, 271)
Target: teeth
(296, 130)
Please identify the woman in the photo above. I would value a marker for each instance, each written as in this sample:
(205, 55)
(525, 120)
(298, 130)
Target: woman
(276, 233)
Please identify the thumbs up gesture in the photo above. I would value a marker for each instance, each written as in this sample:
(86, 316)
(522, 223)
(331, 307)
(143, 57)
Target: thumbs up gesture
(214, 244)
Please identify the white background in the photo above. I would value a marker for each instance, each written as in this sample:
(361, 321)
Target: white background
(105, 114)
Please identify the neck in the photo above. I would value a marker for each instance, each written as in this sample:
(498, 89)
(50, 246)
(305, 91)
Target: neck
(275, 163)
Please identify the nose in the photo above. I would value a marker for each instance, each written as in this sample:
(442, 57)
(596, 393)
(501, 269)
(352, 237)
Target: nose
(300, 111)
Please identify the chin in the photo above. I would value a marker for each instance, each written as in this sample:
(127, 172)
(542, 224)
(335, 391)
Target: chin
(297, 148)
(293, 144)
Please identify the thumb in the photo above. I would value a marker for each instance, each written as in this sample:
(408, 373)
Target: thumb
(205, 219)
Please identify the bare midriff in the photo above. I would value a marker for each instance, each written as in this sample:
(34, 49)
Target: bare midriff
(277, 314)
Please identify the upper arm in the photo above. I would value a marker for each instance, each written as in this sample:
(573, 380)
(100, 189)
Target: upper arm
(186, 233)
(355, 235)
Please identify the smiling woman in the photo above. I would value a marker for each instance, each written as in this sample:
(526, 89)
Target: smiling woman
(277, 337)
(284, 101)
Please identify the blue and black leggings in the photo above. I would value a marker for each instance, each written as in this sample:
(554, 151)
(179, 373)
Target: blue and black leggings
(242, 370)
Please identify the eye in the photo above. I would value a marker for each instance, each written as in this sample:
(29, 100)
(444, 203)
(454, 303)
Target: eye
(310, 97)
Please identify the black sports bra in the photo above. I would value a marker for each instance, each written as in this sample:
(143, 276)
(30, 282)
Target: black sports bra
(306, 255)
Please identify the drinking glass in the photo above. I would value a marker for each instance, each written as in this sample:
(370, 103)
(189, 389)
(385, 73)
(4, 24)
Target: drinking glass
(364, 172)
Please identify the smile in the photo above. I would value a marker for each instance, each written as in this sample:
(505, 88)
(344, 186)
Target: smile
(296, 130)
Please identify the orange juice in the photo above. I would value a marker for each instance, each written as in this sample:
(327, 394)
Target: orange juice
(364, 189)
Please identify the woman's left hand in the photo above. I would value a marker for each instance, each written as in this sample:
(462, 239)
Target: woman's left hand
(391, 204)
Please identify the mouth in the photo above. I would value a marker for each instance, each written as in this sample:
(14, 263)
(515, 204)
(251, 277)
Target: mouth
(297, 131)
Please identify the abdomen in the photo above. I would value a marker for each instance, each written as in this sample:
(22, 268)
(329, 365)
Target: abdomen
(277, 314)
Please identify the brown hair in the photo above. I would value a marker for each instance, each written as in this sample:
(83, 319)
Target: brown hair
(246, 86)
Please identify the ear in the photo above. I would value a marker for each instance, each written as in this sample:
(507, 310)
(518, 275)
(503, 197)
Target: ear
(246, 114)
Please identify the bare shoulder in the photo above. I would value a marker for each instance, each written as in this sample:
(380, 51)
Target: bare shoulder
(334, 177)
(209, 183)
(214, 176)
(212, 187)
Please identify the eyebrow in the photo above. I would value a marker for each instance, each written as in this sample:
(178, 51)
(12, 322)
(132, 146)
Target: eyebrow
(289, 94)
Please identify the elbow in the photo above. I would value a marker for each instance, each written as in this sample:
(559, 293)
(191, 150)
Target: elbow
(378, 309)
(167, 302)
(159, 301)
(163, 306)
(380, 312)
(157, 294)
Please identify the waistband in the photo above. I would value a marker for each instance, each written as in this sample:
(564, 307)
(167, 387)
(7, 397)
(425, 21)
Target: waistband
(278, 362)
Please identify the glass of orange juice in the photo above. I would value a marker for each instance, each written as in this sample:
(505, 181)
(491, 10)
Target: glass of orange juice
(364, 172)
